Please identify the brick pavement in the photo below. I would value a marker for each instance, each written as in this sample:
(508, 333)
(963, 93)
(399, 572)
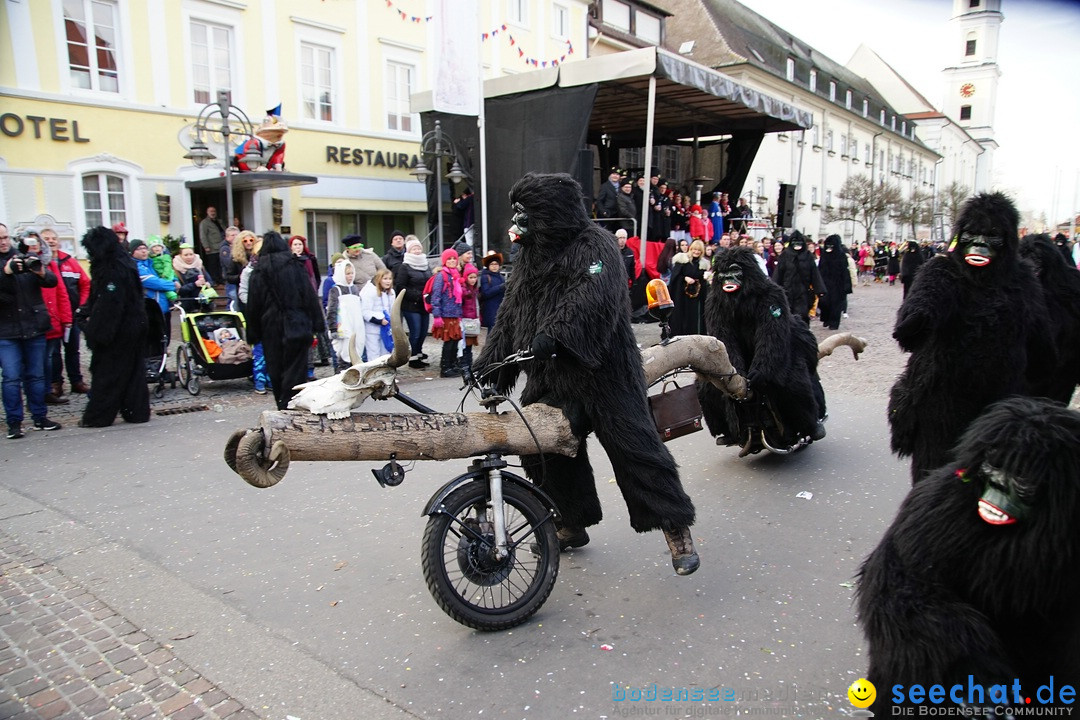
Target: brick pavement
(65, 654)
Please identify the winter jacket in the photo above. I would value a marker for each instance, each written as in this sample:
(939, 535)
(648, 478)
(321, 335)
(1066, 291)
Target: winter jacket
(492, 289)
(56, 300)
(23, 313)
(470, 298)
(164, 268)
(412, 281)
(366, 264)
(442, 296)
(154, 287)
(75, 279)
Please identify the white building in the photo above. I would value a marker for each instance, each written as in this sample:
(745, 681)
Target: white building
(856, 129)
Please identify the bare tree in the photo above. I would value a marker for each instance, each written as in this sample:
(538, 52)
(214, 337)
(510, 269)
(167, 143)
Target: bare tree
(915, 210)
(951, 198)
(863, 201)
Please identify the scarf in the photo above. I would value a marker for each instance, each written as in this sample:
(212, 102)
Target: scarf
(454, 280)
(387, 333)
(416, 262)
(182, 267)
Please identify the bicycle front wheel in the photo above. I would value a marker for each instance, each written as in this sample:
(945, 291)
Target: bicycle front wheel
(468, 582)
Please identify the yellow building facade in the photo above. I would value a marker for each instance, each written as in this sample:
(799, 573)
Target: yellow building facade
(98, 99)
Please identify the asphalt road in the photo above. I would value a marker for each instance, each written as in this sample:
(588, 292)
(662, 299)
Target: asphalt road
(306, 600)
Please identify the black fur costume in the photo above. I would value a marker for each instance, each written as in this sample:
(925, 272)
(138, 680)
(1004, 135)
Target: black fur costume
(774, 350)
(1061, 290)
(977, 332)
(115, 333)
(834, 272)
(947, 594)
(569, 285)
(283, 313)
(798, 274)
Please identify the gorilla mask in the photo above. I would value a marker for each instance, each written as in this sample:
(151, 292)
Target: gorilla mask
(796, 242)
(731, 278)
(519, 227)
(1001, 502)
(986, 230)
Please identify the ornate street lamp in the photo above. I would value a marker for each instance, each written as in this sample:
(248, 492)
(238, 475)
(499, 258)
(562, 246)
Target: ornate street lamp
(224, 119)
(437, 145)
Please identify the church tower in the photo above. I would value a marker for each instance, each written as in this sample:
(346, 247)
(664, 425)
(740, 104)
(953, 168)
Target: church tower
(971, 83)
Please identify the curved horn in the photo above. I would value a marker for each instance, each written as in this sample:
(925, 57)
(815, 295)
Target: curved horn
(826, 346)
(400, 355)
(354, 357)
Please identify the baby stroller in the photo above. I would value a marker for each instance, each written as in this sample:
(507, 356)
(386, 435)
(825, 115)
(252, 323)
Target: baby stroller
(214, 345)
(157, 349)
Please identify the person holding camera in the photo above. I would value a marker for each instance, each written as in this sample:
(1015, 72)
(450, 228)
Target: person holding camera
(24, 320)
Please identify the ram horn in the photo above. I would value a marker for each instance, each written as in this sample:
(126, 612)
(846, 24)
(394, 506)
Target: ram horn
(355, 358)
(400, 355)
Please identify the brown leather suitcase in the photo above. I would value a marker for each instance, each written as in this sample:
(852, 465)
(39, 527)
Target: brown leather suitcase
(675, 412)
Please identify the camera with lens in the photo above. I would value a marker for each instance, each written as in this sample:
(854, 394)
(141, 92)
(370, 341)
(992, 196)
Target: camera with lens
(25, 262)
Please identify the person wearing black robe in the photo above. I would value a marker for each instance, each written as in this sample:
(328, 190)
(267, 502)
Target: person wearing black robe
(284, 314)
(833, 268)
(689, 288)
(798, 274)
(910, 262)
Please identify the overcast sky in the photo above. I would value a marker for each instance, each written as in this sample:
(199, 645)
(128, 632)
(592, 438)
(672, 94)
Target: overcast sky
(1037, 120)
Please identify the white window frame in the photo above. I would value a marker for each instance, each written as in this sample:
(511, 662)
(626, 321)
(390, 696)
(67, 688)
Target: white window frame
(333, 88)
(517, 12)
(843, 145)
(866, 154)
(829, 140)
(760, 184)
(211, 24)
(560, 21)
(866, 107)
(847, 99)
(791, 69)
(401, 54)
(125, 71)
(93, 69)
(881, 118)
(107, 165)
(391, 64)
(813, 81)
(832, 91)
(828, 198)
(813, 195)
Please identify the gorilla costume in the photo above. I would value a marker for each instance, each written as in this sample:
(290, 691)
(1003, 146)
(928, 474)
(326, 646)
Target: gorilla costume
(115, 330)
(976, 326)
(834, 272)
(1061, 290)
(567, 300)
(979, 573)
(798, 274)
(774, 350)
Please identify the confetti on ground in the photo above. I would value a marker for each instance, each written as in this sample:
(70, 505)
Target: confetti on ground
(805, 495)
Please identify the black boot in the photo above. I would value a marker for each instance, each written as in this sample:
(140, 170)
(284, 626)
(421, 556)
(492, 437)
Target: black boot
(684, 557)
(448, 366)
(572, 537)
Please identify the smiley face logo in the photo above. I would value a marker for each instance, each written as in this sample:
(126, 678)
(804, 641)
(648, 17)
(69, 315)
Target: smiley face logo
(862, 693)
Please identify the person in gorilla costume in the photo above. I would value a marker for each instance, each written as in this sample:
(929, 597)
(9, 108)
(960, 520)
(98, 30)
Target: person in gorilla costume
(567, 301)
(976, 326)
(833, 268)
(979, 573)
(115, 329)
(798, 274)
(774, 350)
(1060, 282)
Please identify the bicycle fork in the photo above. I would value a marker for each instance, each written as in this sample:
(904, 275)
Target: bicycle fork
(498, 513)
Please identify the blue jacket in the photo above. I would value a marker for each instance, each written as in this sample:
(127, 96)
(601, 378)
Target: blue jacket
(716, 217)
(154, 286)
(442, 297)
(492, 289)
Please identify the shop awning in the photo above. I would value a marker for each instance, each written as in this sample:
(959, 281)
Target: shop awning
(252, 181)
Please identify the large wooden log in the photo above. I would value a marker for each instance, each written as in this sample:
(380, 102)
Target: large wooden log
(261, 456)
(416, 436)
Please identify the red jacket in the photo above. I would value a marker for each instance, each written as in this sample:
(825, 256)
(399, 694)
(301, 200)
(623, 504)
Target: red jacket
(56, 300)
(74, 278)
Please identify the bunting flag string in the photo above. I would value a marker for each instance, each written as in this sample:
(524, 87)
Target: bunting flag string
(484, 37)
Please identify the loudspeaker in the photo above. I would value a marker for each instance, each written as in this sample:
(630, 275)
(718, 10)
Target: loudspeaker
(785, 206)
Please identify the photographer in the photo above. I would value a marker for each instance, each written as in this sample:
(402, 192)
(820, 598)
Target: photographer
(24, 320)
